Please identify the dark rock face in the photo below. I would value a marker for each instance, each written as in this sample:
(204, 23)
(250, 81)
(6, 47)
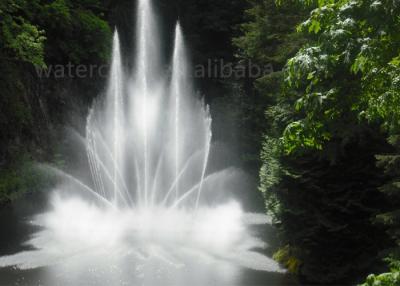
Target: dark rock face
(34, 110)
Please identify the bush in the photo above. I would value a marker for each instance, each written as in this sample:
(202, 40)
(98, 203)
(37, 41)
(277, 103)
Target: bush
(22, 178)
(391, 278)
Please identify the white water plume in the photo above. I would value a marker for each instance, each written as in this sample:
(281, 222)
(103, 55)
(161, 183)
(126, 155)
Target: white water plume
(152, 197)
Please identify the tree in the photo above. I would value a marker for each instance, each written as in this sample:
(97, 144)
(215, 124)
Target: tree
(346, 83)
(319, 173)
(20, 38)
(268, 39)
(350, 68)
(58, 31)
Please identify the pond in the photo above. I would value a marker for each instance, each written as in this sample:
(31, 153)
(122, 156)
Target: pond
(118, 269)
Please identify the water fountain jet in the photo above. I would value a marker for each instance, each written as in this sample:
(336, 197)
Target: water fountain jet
(148, 147)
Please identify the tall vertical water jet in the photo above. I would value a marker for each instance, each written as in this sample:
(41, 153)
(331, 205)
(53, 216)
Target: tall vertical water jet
(115, 99)
(148, 66)
(106, 156)
(179, 79)
(147, 56)
(188, 110)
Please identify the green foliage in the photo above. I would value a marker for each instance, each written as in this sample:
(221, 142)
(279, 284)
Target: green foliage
(325, 208)
(28, 44)
(94, 34)
(15, 115)
(284, 257)
(323, 129)
(268, 38)
(347, 77)
(350, 67)
(54, 15)
(391, 278)
(36, 31)
(23, 177)
(77, 31)
(20, 37)
(390, 219)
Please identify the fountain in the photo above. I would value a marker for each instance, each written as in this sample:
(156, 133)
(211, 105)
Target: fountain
(153, 204)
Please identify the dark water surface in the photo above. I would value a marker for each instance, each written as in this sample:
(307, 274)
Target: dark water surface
(111, 270)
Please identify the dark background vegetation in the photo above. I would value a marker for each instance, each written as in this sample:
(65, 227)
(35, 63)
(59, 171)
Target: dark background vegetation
(321, 132)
